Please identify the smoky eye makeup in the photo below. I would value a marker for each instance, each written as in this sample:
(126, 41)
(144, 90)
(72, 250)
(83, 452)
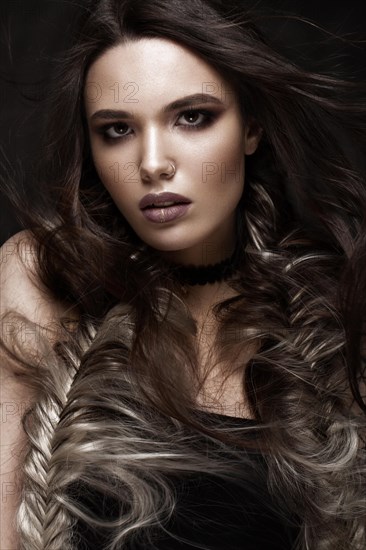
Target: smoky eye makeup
(190, 119)
(207, 117)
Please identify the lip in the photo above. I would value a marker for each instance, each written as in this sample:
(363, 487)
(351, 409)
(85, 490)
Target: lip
(159, 198)
(166, 214)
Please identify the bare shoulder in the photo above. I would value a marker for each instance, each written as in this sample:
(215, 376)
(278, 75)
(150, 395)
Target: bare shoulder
(20, 287)
(31, 318)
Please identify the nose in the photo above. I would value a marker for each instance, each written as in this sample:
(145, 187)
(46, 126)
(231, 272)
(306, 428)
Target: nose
(155, 163)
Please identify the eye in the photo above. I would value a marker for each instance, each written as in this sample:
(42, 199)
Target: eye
(116, 130)
(196, 118)
(193, 119)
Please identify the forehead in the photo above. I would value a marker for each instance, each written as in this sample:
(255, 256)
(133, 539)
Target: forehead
(151, 68)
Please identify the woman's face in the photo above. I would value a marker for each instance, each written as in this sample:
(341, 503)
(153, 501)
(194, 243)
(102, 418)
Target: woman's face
(149, 136)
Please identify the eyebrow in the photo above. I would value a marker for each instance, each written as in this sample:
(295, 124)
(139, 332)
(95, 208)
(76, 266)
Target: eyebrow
(187, 101)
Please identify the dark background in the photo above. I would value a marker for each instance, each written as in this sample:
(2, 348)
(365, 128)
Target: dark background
(33, 34)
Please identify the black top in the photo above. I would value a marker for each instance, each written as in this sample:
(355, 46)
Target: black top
(211, 514)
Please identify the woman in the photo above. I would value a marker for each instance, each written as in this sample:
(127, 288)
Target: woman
(195, 294)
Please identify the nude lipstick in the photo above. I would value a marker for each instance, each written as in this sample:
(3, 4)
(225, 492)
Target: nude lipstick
(163, 207)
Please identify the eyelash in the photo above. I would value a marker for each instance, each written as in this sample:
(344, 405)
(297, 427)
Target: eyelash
(208, 119)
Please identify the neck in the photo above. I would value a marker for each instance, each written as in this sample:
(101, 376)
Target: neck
(215, 248)
(200, 256)
(204, 274)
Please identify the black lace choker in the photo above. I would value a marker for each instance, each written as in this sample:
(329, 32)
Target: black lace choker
(204, 274)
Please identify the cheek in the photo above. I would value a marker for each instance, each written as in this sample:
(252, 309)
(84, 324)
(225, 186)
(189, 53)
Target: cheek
(233, 162)
(117, 176)
(224, 158)
(225, 176)
(102, 162)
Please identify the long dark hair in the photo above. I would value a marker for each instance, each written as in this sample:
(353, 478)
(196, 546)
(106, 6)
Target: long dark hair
(301, 292)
